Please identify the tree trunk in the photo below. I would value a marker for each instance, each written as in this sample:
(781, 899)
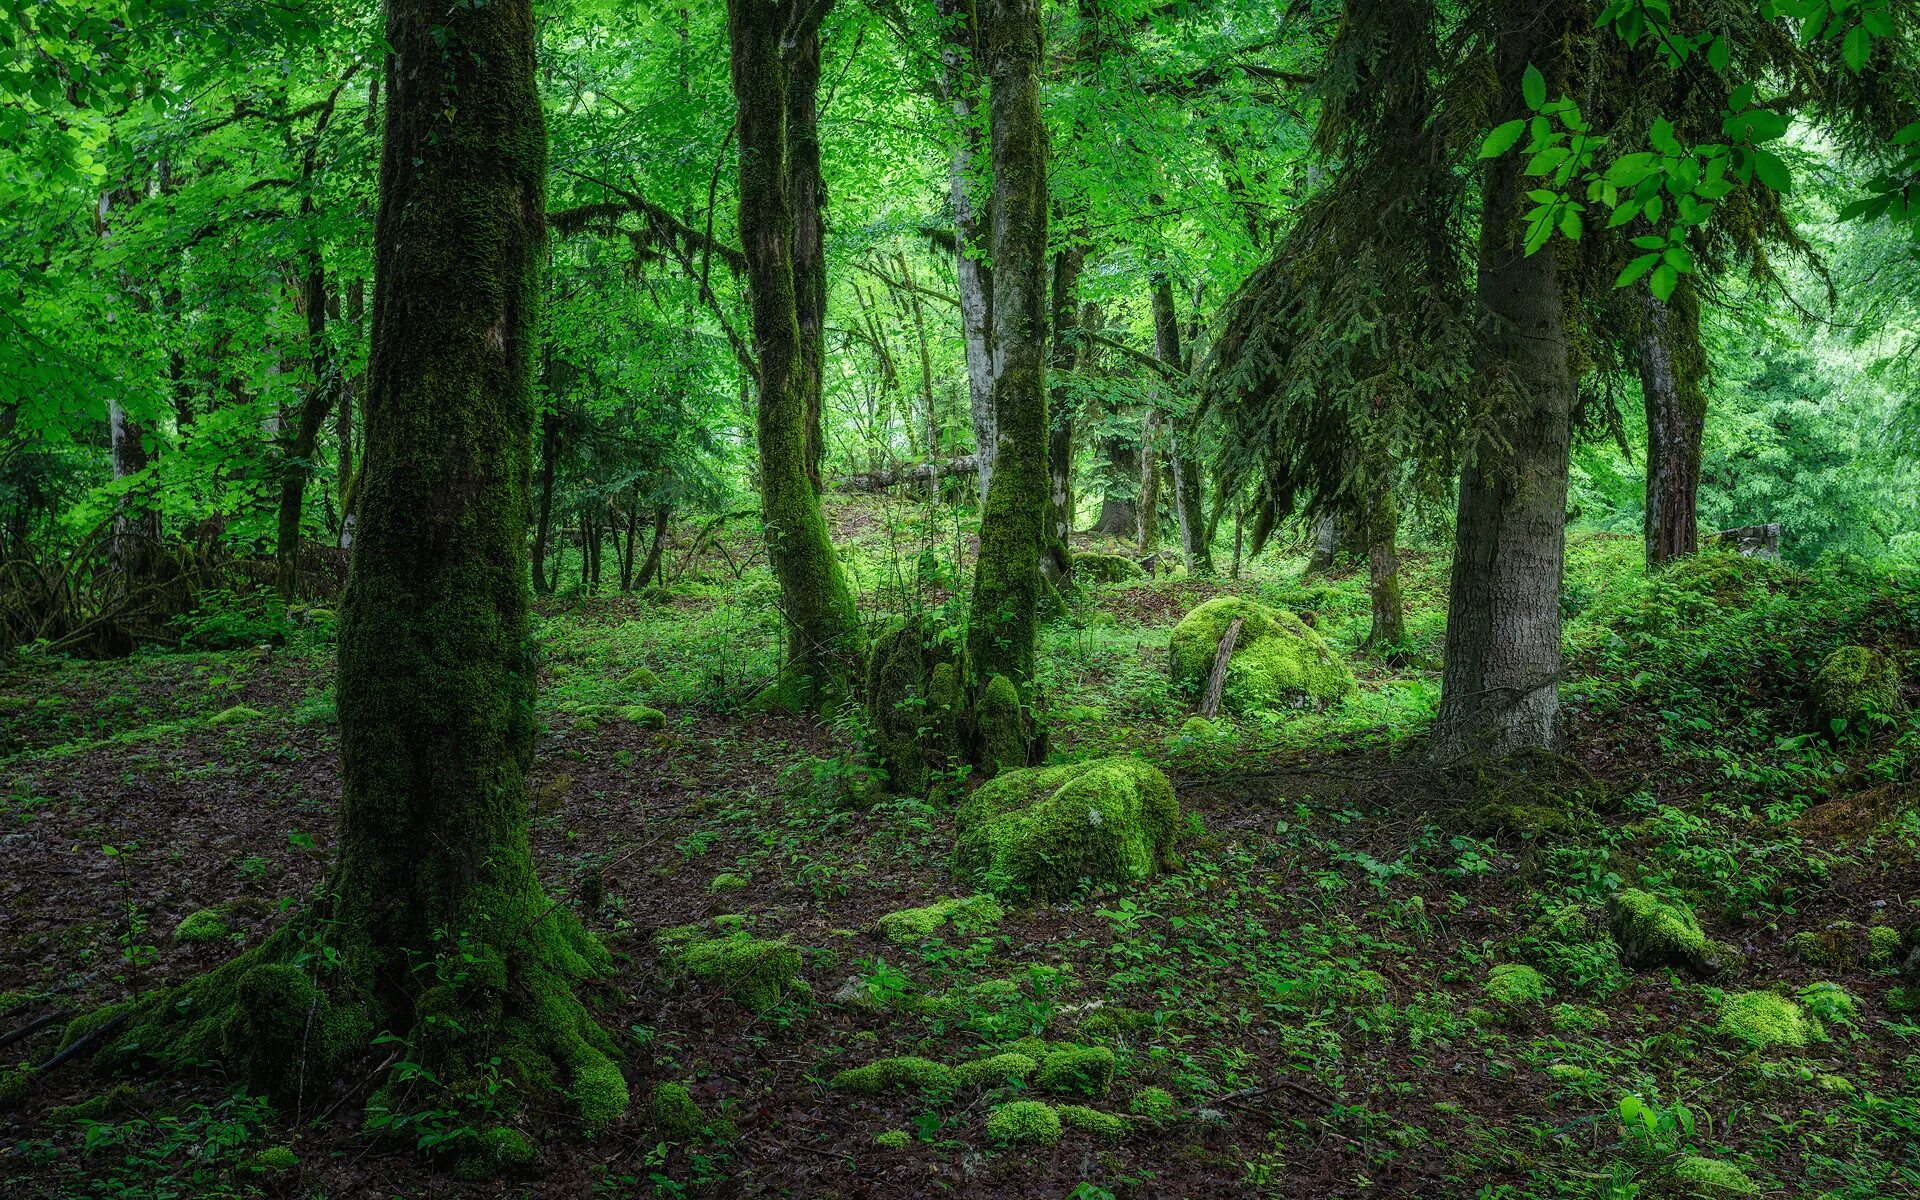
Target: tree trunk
(434, 923)
(1672, 378)
(298, 451)
(1056, 556)
(1003, 621)
(959, 54)
(543, 530)
(823, 634)
(1147, 508)
(807, 194)
(343, 424)
(1119, 515)
(1499, 685)
(662, 514)
(1182, 464)
(1383, 571)
(136, 523)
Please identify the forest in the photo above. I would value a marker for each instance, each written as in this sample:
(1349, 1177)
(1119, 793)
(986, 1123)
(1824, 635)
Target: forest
(1090, 599)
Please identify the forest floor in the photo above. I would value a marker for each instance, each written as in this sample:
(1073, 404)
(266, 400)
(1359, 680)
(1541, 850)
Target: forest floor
(1310, 987)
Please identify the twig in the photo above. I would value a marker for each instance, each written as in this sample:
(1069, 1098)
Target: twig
(34, 1026)
(84, 1043)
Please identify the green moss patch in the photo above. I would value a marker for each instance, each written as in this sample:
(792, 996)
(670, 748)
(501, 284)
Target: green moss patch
(1512, 985)
(1711, 1179)
(996, 1070)
(1070, 1070)
(1106, 568)
(1024, 1123)
(239, 714)
(1652, 932)
(1037, 832)
(1277, 663)
(1103, 1125)
(204, 925)
(1854, 689)
(757, 972)
(1764, 1020)
(976, 913)
(909, 1073)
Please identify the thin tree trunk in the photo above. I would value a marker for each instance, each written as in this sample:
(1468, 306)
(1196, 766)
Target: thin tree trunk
(1326, 544)
(299, 450)
(662, 514)
(1182, 465)
(823, 634)
(1500, 681)
(343, 423)
(926, 357)
(1672, 378)
(1383, 570)
(1056, 557)
(959, 58)
(1119, 515)
(1003, 622)
(542, 532)
(807, 194)
(1147, 508)
(136, 523)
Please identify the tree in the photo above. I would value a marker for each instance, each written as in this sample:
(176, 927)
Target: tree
(1003, 619)
(823, 634)
(1499, 688)
(431, 923)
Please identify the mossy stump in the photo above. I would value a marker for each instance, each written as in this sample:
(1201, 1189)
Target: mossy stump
(1854, 689)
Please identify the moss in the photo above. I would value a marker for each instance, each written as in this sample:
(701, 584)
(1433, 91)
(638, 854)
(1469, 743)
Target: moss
(908, 1073)
(1838, 1085)
(893, 1139)
(1652, 932)
(204, 925)
(756, 972)
(1712, 1179)
(637, 714)
(1112, 1021)
(1835, 947)
(728, 882)
(912, 705)
(673, 1113)
(1529, 793)
(1106, 568)
(1024, 1123)
(1103, 1125)
(996, 1069)
(1853, 689)
(1076, 1070)
(1570, 1074)
(1883, 946)
(599, 1089)
(1156, 1105)
(1000, 727)
(1277, 663)
(1764, 1020)
(1038, 832)
(236, 715)
(1577, 1018)
(496, 1151)
(14, 1086)
(640, 682)
(979, 913)
(274, 1160)
(1512, 985)
(117, 1101)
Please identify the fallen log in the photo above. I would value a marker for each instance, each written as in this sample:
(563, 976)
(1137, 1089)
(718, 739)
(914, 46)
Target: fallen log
(873, 481)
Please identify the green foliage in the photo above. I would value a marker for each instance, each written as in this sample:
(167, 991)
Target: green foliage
(1040, 831)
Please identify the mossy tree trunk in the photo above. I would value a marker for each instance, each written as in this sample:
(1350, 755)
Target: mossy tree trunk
(298, 450)
(1183, 464)
(1003, 621)
(431, 923)
(1383, 569)
(1056, 558)
(807, 193)
(1672, 378)
(823, 634)
(1500, 681)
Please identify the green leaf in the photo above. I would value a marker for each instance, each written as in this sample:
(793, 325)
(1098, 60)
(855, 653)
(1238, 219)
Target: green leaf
(1856, 48)
(1635, 269)
(1719, 54)
(1679, 258)
(1502, 139)
(1533, 87)
(1664, 280)
(1570, 224)
(1772, 171)
(1649, 242)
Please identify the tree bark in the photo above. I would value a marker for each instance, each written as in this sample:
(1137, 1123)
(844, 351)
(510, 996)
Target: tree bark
(1499, 684)
(343, 424)
(1119, 515)
(1147, 508)
(1056, 556)
(662, 514)
(298, 451)
(823, 634)
(1182, 464)
(543, 529)
(1672, 379)
(807, 193)
(959, 56)
(1383, 570)
(1003, 620)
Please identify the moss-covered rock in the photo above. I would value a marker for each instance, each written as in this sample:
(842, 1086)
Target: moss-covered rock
(1093, 567)
(674, 1115)
(1883, 947)
(1853, 689)
(978, 913)
(1513, 985)
(203, 925)
(1711, 1179)
(893, 1139)
(913, 705)
(497, 1150)
(1024, 1123)
(1070, 1070)
(1106, 1126)
(117, 1101)
(1836, 946)
(1764, 1020)
(757, 972)
(15, 1083)
(1037, 832)
(1001, 727)
(1652, 932)
(1277, 663)
(281, 1160)
(640, 682)
(909, 1073)
(728, 882)
(239, 714)
(996, 1070)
